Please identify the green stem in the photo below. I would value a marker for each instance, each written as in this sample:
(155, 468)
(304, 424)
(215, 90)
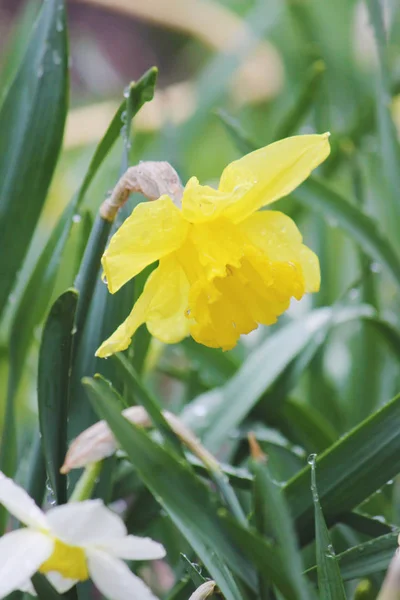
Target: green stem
(84, 488)
(88, 272)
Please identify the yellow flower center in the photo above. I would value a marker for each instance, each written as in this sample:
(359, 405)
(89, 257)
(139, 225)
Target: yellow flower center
(69, 561)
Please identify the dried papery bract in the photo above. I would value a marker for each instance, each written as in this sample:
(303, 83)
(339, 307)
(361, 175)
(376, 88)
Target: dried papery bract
(152, 179)
(204, 591)
(391, 586)
(98, 442)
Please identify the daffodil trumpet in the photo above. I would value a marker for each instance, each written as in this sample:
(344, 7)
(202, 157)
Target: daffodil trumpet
(224, 265)
(71, 543)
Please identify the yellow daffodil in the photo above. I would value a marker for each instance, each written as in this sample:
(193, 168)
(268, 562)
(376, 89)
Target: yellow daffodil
(68, 544)
(224, 266)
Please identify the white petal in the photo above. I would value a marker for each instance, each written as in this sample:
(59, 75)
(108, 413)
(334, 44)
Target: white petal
(114, 579)
(132, 547)
(82, 523)
(20, 504)
(21, 554)
(28, 587)
(60, 583)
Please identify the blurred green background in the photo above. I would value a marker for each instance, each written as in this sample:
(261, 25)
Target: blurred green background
(305, 66)
(235, 75)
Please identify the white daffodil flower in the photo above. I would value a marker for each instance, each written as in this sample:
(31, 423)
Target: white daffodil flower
(71, 543)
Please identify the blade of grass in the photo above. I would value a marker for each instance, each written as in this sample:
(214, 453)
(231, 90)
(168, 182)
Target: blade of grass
(330, 583)
(350, 470)
(32, 119)
(53, 388)
(186, 500)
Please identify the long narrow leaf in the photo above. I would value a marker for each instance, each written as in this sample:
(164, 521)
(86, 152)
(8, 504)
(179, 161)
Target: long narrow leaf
(187, 501)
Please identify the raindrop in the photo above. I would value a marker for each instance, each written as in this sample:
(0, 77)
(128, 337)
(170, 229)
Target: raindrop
(379, 518)
(74, 330)
(200, 411)
(123, 132)
(354, 294)
(332, 222)
(331, 551)
(123, 116)
(56, 57)
(390, 482)
(77, 218)
(311, 459)
(50, 496)
(127, 91)
(59, 25)
(40, 71)
(375, 267)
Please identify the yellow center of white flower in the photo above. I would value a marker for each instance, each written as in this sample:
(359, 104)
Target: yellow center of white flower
(69, 561)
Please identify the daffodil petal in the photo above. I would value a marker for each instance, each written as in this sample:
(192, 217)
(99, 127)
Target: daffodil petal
(60, 583)
(21, 554)
(153, 230)
(132, 547)
(202, 203)
(162, 306)
(279, 239)
(166, 316)
(87, 522)
(18, 503)
(271, 173)
(115, 580)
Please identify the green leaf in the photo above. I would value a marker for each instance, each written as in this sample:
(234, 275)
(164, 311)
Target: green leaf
(140, 92)
(371, 557)
(100, 312)
(53, 387)
(214, 365)
(306, 426)
(330, 583)
(388, 140)
(363, 229)
(189, 503)
(45, 590)
(146, 399)
(16, 46)
(35, 298)
(262, 554)
(216, 413)
(193, 571)
(273, 520)
(350, 470)
(32, 121)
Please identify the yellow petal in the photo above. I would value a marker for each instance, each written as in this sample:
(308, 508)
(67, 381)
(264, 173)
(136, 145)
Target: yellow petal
(279, 239)
(271, 173)
(202, 203)
(256, 292)
(153, 230)
(162, 305)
